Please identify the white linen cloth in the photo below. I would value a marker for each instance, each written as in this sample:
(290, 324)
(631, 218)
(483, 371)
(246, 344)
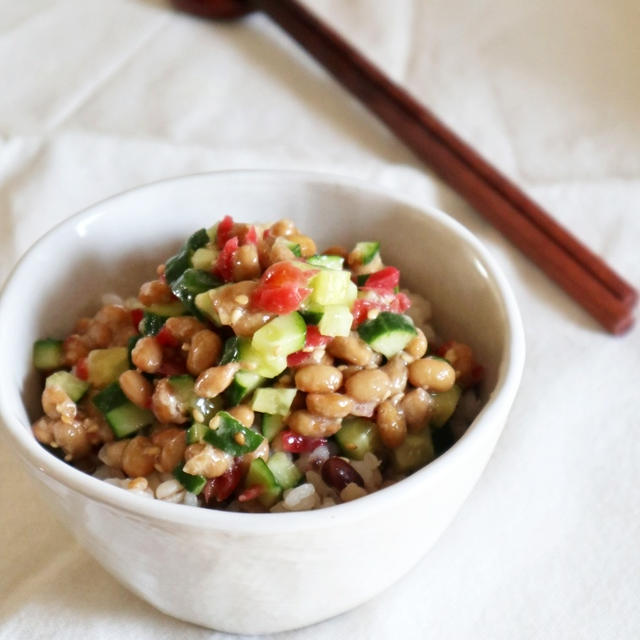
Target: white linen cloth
(97, 97)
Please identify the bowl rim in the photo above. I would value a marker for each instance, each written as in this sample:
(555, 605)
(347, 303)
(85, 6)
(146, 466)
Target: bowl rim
(501, 399)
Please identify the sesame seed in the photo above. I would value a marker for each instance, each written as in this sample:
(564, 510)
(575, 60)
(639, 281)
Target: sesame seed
(242, 299)
(239, 438)
(197, 414)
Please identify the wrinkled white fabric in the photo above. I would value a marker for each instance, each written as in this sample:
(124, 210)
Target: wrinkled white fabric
(97, 97)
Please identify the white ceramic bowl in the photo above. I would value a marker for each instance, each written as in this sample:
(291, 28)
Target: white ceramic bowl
(257, 573)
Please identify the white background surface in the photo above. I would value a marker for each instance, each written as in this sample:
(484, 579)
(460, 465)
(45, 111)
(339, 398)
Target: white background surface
(97, 97)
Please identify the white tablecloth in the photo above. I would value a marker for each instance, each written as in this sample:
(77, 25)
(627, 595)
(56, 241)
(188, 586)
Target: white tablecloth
(97, 97)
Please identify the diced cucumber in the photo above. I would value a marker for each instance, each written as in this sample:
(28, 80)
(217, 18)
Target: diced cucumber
(281, 336)
(183, 387)
(243, 383)
(203, 259)
(106, 365)
(331, 287)
(388, 333)
(444, 404)
(212, 232)
(231, 351)
(336, 321)
(196, 432)
(260, 475)
(110, 398)
(151, 323)
(311, 316)
(123, 416)
(366, 251)
(48, 354)
(271, 426)
(192, 483)
(274, 401)
(127, 419)
(416, 451)
(167, 309)
(176, 265)
(257, 362)
(284, 470)
(204, 409)
(358, 436)
(294, 247)
(190, 284)
(72, 386)
(334, 263)
(204, 305)
(232, 436)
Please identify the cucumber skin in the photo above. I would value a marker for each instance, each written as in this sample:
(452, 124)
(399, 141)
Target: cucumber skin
(358, 436)
(231, 351)
(367, 250)
(178, 264)
(284, 470)
(127, 419)
(224, 436)
(445, 404)
(70, 384)
(272, 425)
(48, 354)
(243, 383)
(260, 474)
(388, 333)
(192, 483)
(110, 398)
(273, 401)
(281, 336)
(189, 284)
(414, 453)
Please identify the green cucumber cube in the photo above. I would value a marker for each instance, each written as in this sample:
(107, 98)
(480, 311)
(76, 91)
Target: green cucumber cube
(260, 475)
(48, 354)
(358, 436)
(271, 426)
(106, 365)
(196, 432)
(416, 451)
(232, 436)
(388, 333)
(192, 483)
(366, 251)
(281, 336)
(167, 310)
(203, 259)
(204, 305)
(335, 263)
(127, 419)
(72, 386)
(444, 404)
(284, 470)
(273, 401)
(243, 383)
(331, 287)
(336, 321)
(256, 362)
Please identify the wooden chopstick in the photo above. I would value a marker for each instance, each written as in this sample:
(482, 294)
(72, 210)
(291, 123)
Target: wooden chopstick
(581, 273)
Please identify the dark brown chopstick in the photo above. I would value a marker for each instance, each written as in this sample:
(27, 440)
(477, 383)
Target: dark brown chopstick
(582, 274)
